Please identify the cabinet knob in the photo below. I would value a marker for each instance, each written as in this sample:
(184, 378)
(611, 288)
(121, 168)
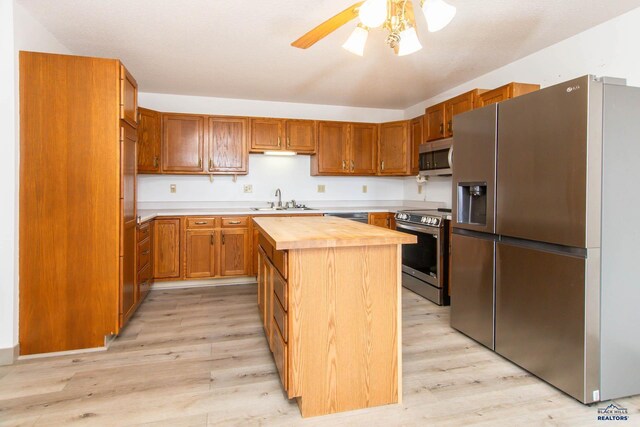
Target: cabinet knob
(278, 142)
(155, 162)
(210, 164)
(382, 165)
(288, 142)
(353, 165)
(223, 238)
(200, 162)
(344, 164)
(441, 129)
(213, 239)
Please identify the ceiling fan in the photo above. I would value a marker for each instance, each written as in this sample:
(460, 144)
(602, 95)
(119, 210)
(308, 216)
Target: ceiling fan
(395, 16)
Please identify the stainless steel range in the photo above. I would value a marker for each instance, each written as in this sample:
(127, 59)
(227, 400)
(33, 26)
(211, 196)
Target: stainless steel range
(425, 268)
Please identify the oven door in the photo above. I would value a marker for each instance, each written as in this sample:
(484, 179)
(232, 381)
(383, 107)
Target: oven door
(422, 260)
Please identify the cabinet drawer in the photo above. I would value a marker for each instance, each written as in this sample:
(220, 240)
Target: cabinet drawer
(196, 223)
(280, 316)
(144, 275)
(280, 289)
(279, 347)
(281, 261)
(239, 221)
(144, 231)
(144, 253)
(266, 246)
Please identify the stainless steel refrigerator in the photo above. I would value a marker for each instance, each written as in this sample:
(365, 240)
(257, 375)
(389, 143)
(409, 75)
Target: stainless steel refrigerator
(546, 247)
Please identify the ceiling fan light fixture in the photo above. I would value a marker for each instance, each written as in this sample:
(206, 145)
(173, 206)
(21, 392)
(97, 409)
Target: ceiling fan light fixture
(438, 14)
(357, 40)
(409, 42)
(373, 13)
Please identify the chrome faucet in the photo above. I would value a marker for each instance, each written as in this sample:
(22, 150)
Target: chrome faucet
(279, 195)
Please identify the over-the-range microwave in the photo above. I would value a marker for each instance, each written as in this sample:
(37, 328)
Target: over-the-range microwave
(436, 158)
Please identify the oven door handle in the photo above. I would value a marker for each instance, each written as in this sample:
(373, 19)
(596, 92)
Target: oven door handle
(418, 228)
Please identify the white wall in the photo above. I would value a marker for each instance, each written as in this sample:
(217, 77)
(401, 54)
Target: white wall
(609, 49)
(266, 173)
(19, 31)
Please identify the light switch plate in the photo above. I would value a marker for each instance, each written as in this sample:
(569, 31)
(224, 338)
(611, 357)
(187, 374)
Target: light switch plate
(321, 188)
(172, 188)
(248, 188)
(364, 189)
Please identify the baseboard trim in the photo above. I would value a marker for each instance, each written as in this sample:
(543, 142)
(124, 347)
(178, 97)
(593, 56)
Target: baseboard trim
(9, 355)
(182, 284)
(62, 353)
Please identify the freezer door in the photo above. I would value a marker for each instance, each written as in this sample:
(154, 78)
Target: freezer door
(540, 314)
(542, 164)
(472, 286)
(474, 163)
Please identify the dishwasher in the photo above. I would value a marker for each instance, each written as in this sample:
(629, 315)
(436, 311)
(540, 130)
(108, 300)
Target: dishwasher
(354, 216)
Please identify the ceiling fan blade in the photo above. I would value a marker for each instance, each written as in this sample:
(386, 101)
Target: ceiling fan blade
(327, 27)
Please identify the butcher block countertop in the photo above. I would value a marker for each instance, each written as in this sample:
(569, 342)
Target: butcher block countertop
(326, 232)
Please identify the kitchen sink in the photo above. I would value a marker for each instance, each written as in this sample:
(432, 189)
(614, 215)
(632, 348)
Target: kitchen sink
(283, 209)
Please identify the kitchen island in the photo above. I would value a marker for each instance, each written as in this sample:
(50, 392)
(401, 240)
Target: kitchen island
(329, 294)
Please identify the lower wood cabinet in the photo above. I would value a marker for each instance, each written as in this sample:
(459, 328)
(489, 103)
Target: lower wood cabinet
(201, 253)
(144, 263)
(382, 219)
(235, 252)
(166, 248)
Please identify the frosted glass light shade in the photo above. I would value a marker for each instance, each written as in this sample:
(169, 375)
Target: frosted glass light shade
(356, 41)
(373, 13)
(409, 42)
(438, 14)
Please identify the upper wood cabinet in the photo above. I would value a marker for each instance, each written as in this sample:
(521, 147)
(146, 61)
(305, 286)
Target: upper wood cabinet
(363, 142)
(332, 154)
(148, 141)
(434, 121)
(417, 138)
(266, 134)
(227, 142)
(166, 248)
(300, 136)
(283, 134)
(505, 92)
(128, 97)
(394, 149)
(182, 143)
(460, 104)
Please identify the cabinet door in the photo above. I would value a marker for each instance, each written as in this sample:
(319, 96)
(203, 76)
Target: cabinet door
(493, 96)
(235, 252)
(148, 141)
(364, 149)
(332, 148)
(228, 151)
(301, 136)
(434, 122)
(266, 134)
(393, 149)
(128, 97)
(459, 104)
(201, 253)
(380, 219)
(416, 140)
(166, 248)
(182, 143)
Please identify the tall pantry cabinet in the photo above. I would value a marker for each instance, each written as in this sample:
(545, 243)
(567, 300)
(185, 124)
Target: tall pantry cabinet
(77, 201)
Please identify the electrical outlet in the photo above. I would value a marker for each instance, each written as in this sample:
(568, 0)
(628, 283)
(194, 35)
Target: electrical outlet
(248, 188)
(172, 188)
(364, 188)
(321, 188)
(419, 189)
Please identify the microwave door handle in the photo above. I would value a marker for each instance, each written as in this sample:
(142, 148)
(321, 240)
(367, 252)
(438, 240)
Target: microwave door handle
(450, 157)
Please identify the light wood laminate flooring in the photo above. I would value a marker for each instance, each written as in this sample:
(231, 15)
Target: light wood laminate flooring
(197, 357)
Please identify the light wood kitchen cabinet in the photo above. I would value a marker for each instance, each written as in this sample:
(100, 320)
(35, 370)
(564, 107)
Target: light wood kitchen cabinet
(394, 149)
(149, 134)
(182, 143)
(201, 253)
(333, 151)
(144, 259)
(460, 104)
(382, 219)
(434, 122)
(505, 92)
(235, 250)
(78, 119)
(227, 145)
(283, 134)
(166, 248)
(363, 148)
(417, 138)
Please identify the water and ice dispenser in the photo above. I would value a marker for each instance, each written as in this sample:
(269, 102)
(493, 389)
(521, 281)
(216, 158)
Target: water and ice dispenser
(472, 203)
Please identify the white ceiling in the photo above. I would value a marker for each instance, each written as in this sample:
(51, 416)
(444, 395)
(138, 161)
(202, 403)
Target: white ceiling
(241, 48)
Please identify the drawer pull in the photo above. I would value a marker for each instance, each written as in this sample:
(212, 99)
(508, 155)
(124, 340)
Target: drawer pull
(201, 222)
(234, 222)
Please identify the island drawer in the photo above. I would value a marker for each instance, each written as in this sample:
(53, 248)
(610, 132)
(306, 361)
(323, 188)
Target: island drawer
(144, 253)
(280, 289)
(280, 259)
(266, 246)
(234, 221)
(280, 316)
(279, 353)
(197, 223)
(144, 230)
(144, 275)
